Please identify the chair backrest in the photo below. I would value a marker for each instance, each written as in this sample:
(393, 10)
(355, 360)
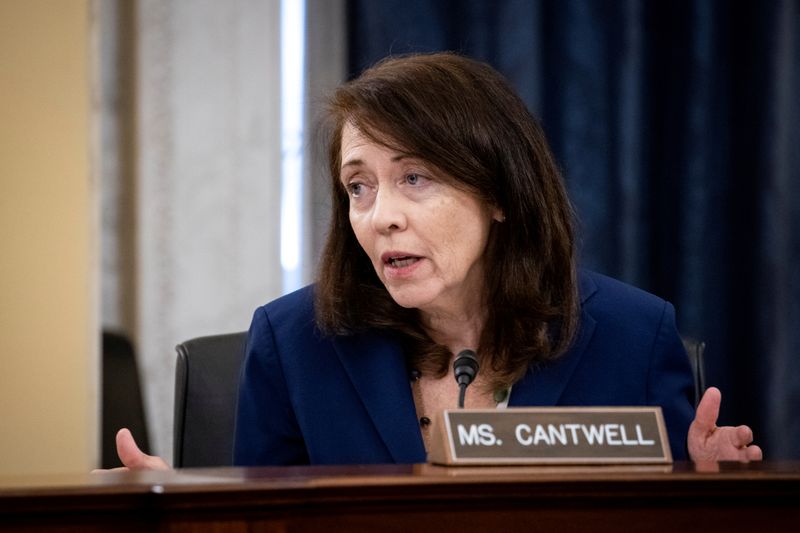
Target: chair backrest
(696, 349)
(206, 387)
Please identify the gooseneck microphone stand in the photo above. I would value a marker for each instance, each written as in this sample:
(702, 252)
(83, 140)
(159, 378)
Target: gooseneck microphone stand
(465, 368)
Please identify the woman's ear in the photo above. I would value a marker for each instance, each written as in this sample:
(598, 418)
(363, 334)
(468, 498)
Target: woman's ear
(498, 215)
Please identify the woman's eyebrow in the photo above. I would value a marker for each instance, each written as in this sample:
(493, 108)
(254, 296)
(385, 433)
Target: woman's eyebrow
(358, 162)
(352, 163)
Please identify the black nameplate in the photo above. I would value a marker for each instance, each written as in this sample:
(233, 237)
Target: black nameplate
(550, 435)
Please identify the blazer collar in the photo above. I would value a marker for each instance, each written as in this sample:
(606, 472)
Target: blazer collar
(543, 384)
(377, 368)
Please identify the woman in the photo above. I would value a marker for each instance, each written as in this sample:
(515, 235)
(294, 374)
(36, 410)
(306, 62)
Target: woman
(450, 229)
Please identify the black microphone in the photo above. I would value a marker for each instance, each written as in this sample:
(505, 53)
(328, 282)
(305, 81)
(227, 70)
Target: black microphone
(465, 368)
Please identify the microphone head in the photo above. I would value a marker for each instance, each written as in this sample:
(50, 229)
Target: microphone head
(465, 367)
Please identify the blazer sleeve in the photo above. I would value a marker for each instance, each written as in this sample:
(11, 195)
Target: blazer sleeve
(670, 382)
(266, 430)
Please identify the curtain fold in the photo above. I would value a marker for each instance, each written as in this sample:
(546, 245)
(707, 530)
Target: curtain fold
(677, 125)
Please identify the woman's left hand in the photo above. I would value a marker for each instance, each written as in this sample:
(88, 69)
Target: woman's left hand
(707, 442)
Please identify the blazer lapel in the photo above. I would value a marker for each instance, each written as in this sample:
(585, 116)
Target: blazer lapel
(543, 384)
(377, 368)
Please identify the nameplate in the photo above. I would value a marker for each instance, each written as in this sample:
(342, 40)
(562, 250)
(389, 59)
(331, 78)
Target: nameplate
(550, 435)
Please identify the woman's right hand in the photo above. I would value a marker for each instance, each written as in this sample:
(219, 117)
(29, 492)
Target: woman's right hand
(132, 457)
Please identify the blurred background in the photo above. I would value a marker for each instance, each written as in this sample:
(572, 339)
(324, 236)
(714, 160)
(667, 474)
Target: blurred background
(191, 191)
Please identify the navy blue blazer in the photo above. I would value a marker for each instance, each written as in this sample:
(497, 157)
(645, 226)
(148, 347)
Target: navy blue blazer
(308, 398)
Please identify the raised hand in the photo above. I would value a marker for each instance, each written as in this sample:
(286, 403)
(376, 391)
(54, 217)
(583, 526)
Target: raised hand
(707, 442)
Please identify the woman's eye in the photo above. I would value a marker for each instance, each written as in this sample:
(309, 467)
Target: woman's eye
(413, 179)
(355, 189)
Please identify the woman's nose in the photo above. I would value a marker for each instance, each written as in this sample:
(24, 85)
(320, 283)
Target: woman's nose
(388, 212)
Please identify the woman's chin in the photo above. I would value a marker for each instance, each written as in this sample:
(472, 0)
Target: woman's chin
(409, 298)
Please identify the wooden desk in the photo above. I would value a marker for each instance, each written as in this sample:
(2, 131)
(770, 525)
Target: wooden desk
(756, 497)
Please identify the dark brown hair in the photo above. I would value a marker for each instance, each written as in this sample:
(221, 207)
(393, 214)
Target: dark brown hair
(461, 117)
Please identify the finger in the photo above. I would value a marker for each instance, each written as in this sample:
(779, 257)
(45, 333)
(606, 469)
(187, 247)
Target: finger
(730, 444)
(705, 419)
(129, 453)
(110, 470)
(754, 453)
(741, 436)
(134, 458)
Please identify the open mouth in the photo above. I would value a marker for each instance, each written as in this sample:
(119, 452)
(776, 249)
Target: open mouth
(402, 261)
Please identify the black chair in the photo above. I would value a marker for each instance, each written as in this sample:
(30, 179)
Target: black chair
(206, 386)
(696, 349)
(122, 397)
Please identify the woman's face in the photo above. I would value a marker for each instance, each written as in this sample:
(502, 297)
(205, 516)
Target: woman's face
(425, 238)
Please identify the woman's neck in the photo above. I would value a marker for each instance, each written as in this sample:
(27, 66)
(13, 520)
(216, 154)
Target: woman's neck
(457, 331)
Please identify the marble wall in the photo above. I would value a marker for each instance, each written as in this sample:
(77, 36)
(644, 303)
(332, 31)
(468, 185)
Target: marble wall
(191, 172)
